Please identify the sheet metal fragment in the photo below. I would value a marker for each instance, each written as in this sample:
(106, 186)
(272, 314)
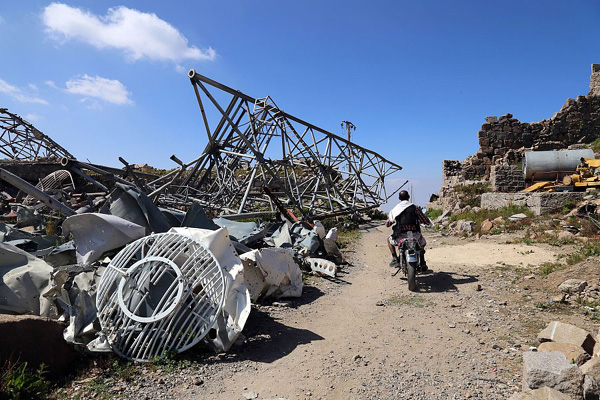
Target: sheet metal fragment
(95, 234)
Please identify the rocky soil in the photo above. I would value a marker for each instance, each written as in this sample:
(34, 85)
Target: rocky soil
(365, 336)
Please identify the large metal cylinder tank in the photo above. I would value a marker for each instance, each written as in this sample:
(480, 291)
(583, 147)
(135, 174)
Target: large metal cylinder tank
(552, 165)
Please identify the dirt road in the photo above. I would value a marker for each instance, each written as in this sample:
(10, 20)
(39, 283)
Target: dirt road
(366, 336)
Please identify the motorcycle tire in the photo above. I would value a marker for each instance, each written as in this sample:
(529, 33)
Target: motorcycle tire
(411, 276)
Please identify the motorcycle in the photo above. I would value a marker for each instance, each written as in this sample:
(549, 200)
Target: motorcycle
(409, 260)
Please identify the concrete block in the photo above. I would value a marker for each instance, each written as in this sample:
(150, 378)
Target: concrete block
(566, 333)
(539, 203)
(574, 353)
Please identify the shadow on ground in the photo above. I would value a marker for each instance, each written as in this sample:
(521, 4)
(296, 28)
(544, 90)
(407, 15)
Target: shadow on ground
(267, 340)
(436, 282)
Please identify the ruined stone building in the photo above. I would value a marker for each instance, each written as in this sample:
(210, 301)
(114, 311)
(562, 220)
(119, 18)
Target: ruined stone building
(503, 141)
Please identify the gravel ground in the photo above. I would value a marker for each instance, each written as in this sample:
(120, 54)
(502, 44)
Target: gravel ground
(365, 336)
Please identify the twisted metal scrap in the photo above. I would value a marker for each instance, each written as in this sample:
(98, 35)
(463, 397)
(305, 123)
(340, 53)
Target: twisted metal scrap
(255, 145)
(19, 140)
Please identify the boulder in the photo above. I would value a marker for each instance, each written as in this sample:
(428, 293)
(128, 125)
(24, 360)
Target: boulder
(498, 221)
(544, 393)
(445, 215)
(591, 383)
(551, 369)
(36, 340)
(467, 226)
(574, 353)
(597, 345)
(572, 286)
(486, 226)
(566, 236)
(517, 217)
(567, 333)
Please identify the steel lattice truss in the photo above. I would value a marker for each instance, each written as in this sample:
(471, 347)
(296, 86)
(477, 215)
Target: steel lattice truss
(19, 140)
(258, 155)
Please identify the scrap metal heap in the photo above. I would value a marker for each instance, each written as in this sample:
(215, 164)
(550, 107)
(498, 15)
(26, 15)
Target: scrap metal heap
(132, 261)
(19, 140)
(259, 156)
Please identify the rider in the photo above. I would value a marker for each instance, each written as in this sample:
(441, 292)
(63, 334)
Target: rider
(406, 217)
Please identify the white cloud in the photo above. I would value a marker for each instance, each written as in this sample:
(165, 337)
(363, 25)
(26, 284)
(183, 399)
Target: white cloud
(109, 90)
(32, 117)
(51, 84)
(32, 87)
(140, 35)
(18, 94)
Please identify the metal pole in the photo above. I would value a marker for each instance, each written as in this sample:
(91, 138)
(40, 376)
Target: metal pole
(35, 193)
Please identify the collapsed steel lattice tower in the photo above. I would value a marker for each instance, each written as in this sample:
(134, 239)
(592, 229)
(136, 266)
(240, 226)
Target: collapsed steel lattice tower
(258, 155)
(19, 140)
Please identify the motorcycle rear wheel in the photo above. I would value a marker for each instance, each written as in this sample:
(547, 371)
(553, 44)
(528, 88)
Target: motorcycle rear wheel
(411, 276)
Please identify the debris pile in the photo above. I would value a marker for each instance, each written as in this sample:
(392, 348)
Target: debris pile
(131, 262)
(564, 365)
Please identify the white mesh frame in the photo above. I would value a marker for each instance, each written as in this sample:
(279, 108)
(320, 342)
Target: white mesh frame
(187, 310)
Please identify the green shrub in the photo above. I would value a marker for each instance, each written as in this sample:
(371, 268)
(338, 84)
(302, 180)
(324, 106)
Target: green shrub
(549, 267)
(470, 195)
(433, 213)
(596, 145)
(18, 381)
(568, 205)
(505, 212)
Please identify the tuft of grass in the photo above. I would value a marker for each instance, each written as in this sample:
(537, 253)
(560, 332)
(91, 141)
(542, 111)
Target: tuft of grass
(433, 213)
(549, 306)
(470, 195)
(591, 248)
(124, 370)
(346, 237)
(568, 205)
(549, 267)
(19, 381)
(596, 145)
(99, 387)
(505, 212)
(413, 301)
(574, 258)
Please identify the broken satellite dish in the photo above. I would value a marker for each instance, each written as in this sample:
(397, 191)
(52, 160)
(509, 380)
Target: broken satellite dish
(160, 293)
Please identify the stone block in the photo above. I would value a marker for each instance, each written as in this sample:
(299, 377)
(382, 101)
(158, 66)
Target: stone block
(574, 353)
(572, 286)
(36, 340)
(539, 203)
(486, 226)
(591, 383)
(551, 369)
(566, 333)
(544, 393)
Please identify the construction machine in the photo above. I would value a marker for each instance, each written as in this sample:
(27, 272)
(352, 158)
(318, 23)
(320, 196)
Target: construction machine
(587, 175)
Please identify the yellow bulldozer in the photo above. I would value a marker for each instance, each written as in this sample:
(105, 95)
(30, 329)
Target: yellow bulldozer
(587, 175)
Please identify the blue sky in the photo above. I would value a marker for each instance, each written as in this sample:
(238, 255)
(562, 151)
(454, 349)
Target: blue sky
(417, 78)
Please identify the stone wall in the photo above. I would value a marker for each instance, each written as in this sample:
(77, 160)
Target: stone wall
(539, 203)
(503, 140)
(451, 172)
(507, 178)
(595, 81)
